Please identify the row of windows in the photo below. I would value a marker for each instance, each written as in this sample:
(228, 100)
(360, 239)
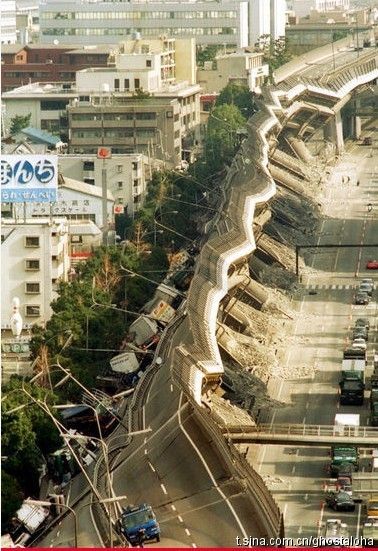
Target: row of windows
(141, 15)
(146, 32)
(148, 116)
(115, 133)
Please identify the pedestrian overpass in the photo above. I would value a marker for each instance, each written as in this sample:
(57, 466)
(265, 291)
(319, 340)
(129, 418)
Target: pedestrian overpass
(303, 435)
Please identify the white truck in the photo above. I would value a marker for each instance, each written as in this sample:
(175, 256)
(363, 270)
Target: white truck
(142, 330)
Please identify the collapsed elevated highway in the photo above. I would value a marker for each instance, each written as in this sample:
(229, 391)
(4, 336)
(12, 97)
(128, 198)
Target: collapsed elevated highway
(273, 156)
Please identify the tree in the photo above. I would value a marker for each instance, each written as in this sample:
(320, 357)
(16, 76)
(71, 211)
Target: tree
(207, 53)
(239, 95)
(18, 122)
(276, 52)
(11, 499)
(221, 135)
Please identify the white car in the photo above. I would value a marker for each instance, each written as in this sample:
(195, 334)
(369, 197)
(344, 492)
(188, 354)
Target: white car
(359, 343)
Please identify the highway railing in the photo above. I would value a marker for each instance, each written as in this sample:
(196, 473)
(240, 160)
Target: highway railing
(266, 510)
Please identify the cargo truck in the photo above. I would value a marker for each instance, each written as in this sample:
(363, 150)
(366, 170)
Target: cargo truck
(139, 524)
(344, 459)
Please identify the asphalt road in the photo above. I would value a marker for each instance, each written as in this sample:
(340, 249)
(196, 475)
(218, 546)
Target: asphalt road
(296, 476)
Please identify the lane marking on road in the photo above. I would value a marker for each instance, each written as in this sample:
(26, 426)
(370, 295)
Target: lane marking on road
(194, 545)
(180, 518)
(187, 532)
(300, 530)
(304, 420)
(320, 522)
(211, 476)
(284, 511)
(145, 451)
(173, 507)
(171, 387)
(358, 520)
(164, 489)
(151, 467)
(293, 469)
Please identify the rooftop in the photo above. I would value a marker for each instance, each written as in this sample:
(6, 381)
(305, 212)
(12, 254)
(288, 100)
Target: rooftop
(89, 189)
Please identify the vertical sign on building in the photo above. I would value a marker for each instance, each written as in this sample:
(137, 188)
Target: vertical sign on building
(29, 178)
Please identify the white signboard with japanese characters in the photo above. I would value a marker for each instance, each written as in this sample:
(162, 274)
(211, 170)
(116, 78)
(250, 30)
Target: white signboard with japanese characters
(29, 178)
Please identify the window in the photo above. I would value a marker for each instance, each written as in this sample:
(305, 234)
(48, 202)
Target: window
(148, 63)
(120, 200)
(126, 83)
(135, 166)
(146, 116)
(88, 165)
(137, 83)
(33, 310)
(136, 183)
(74, 203)
(32, 264)
(120, 185)
(31, 241)
(54, 105)
(119, 169)
(116, 84)
(169, 114)
(32, 288)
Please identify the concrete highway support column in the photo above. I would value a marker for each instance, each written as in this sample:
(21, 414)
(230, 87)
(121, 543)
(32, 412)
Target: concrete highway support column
(356, 127)
(333, 131)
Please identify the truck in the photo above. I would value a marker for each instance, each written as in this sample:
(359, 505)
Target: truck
(344, 459)
(139, 524)
(354, 354)
(374, 407)
(143, 330)
(353, 369)
(334, 530)
(351, 392)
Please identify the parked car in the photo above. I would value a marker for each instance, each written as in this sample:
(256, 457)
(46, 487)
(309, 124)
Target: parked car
(369, 280)
(340, 501)
(361, 298)
(362, 322)
(366, 287)
(359, 343)
(372, 265)
(360, 333)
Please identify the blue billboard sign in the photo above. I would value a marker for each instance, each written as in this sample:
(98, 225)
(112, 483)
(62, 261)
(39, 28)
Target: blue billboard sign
(29, 178)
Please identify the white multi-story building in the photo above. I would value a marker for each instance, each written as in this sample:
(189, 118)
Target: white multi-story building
(259, 20)
(126, 176)
(35, 257)
(278, 10)
(84, 21)
(304, 7)
(8, 33)
(242, 66)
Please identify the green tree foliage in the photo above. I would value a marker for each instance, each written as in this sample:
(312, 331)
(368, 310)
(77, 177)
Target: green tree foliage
(276, 52)
(207, 53)
(11, 499)
(28, 434)
(239, 95)
(18, 122)
(221, 136)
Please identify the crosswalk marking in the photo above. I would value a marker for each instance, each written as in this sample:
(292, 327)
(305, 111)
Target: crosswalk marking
(329, 286)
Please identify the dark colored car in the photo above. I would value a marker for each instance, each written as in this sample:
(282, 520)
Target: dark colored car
(362, 322)
(361, 298)
(340, 501)
(366, 287)
(360, 333)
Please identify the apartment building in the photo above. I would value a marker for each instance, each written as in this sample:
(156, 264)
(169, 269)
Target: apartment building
(303, 8)
(243, 67)
(21, 65)
(136, 106)
(8, 33)
(84, 21)
(126, 176)
(35, 257)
